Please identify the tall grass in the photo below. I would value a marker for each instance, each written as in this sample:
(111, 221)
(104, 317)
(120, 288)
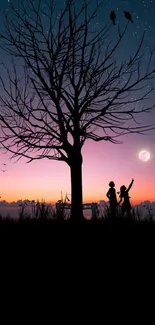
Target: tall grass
(39, 210)
(43, 211)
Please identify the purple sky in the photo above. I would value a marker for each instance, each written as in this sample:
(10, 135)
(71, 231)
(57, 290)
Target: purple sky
(104, 161)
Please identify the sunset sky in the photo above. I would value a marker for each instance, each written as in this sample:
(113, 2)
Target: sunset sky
(102, 162)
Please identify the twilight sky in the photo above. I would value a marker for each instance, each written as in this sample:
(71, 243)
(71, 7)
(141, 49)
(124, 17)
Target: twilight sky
(102, 162)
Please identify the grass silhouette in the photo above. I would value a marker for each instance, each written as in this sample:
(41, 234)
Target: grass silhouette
(42, 213)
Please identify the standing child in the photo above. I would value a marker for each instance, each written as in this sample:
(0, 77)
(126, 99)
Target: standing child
(124, 194)
(111, 194)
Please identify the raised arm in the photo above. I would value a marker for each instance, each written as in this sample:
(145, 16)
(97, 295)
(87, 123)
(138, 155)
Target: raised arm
(130, 185)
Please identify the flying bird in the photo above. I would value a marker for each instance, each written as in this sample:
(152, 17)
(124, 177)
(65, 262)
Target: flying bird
(3, 170)
(113, 17)
(4, 164)
(128, 16)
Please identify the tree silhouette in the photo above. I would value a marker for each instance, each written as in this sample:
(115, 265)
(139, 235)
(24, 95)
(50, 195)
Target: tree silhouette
(66, 84)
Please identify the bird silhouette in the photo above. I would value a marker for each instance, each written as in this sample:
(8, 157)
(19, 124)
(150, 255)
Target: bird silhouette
(4, 164)
(3, 170)
(113, 17)
(128, 16)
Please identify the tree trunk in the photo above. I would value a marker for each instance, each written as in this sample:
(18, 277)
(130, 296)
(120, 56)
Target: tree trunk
(76, 187)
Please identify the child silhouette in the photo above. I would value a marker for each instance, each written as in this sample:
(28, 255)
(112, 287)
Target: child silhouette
(124, 194)
(111, 194)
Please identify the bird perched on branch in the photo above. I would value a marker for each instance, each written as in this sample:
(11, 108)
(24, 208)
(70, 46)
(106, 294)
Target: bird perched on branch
(113, 17)
(128, 16)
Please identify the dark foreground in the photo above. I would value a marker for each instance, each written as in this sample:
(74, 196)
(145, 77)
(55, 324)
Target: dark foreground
(66, 241)
(54, 221)
(100, 224)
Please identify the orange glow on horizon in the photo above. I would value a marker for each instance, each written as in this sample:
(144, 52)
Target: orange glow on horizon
(89, 199)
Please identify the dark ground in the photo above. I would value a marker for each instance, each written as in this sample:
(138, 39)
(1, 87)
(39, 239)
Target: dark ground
(63, 230)
(67, 249)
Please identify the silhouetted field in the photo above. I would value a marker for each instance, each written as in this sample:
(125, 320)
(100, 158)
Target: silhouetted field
(43, 216)
(58, 238)
(117, 221)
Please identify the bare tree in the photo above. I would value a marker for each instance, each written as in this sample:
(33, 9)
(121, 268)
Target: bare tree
(66, 84)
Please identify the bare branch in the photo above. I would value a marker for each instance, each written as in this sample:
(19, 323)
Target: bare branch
(66, 84)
